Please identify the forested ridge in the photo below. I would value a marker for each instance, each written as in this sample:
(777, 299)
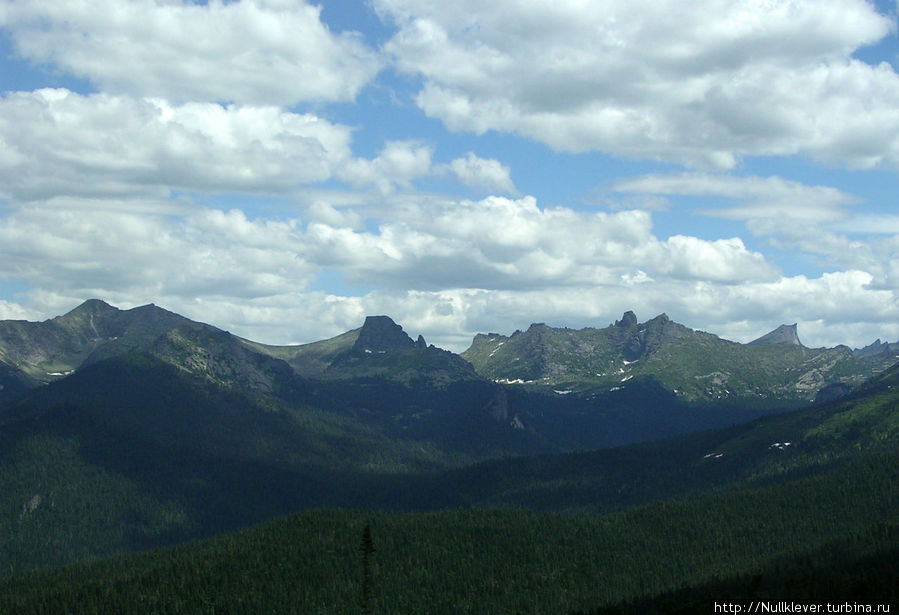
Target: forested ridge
(501, 560)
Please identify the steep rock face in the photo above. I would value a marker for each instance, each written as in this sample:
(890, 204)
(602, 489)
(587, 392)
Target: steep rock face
(380, 334)
(628, 320)
(784, 334)
(645, 340)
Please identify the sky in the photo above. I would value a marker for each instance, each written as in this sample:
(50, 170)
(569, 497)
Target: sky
(281, 169)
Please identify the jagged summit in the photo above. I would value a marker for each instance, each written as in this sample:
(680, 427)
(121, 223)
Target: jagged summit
(628, 319)
(784, 334)
(877, 348)
(380, 333)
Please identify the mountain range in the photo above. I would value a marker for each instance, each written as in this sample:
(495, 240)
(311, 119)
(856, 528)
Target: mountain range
(694, 365)
(123, 430)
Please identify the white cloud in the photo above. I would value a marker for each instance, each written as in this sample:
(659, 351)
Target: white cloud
(792, 215)
(61, 143)
(700, 83)
(757, 197)
(10, 310)
(498, 243)
(866, 224)
(101, 253)
(722, 260)
(486, 173)
(252, 52)
(398, 163)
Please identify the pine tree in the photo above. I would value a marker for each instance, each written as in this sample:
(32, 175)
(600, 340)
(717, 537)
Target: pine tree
(367, 549)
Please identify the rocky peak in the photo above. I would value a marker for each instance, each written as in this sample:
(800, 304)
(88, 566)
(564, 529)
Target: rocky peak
(877, 348)
(648, 337)
(661, 319)
(91, 307)
(784, 334)
(92, 319)
(628, 320)
(380, 333)
(96, 306)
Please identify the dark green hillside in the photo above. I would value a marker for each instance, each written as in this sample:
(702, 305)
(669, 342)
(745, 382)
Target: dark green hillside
(162, 455)
(766, 451)
(495, 561)
(13, 383)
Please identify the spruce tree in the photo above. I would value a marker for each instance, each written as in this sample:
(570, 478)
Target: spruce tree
(367, 549)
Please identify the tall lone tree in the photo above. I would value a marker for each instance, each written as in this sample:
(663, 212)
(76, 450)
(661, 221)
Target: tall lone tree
(368, 548)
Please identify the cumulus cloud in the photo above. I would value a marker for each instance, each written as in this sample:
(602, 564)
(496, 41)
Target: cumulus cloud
(90, 252)
(255, 277)
(57, 142)
(250, 52)
(397, 164)
(10, 310)
(700, 84)
(817, 220)
(494, 244)
(486, 173)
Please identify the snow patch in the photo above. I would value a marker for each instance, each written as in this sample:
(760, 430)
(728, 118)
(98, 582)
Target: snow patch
(781, 446)
(713, 456)
(626, 378)
(562, 392)
(514, 381)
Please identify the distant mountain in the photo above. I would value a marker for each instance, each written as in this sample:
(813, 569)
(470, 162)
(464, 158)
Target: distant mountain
(95, 330)
(878, 350)
(381, 349)
(696, 366)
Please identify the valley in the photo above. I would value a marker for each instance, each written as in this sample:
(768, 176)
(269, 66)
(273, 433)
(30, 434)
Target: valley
(125, 431)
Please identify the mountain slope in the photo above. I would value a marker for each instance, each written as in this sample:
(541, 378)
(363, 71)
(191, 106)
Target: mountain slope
(132, 452)
(696, 366)
(105, 461)
(95, 330)
(767, 451)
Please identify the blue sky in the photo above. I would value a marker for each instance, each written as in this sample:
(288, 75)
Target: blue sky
(281, 169)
